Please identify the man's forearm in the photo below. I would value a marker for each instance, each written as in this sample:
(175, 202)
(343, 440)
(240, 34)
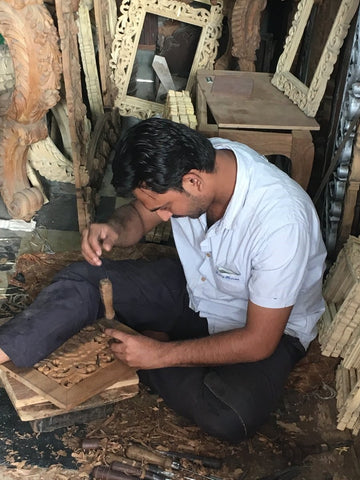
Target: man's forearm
(229, 347)
(130, 224)
(246, 344)
(127, 223)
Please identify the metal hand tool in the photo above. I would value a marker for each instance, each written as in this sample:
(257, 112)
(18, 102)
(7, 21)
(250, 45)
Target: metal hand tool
(201, 475)
(210, 462)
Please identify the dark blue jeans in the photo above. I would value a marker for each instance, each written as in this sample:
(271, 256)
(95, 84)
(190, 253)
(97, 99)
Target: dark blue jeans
(229, 401)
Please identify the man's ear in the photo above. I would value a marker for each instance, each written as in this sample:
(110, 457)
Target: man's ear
(192, 181)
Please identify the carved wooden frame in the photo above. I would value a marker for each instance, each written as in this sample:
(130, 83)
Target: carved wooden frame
(308, 98)
(128, 31)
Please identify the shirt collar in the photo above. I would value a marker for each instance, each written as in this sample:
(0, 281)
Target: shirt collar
(239, 195)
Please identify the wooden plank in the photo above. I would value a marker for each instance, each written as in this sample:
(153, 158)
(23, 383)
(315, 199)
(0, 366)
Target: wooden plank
(23, 396)
(67, 395)
(30, 406)
(66, 13)
(258, 105)
(161, 68)
(226, 85)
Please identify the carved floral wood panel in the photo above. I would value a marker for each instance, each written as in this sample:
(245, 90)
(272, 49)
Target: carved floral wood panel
(79, 369)
(32, 39)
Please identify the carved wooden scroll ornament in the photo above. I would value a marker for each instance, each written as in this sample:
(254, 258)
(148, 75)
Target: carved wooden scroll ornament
(32, 39)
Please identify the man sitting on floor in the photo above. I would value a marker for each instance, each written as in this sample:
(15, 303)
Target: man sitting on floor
(225, 323)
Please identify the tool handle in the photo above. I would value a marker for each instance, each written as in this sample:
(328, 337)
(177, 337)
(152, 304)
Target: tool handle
(105, 473)
(91, 443)
(111, 457)
(128, 469)
(143, 455)
(106, 293)
(115, 460)
(135, 471)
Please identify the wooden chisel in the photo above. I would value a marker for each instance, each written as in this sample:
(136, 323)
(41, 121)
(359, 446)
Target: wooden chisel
(106, 293)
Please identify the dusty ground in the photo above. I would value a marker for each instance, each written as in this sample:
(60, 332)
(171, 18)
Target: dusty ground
(301, 434)
(293, 436)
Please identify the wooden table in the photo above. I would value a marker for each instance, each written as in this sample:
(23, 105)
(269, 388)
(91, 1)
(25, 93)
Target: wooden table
(246, 107)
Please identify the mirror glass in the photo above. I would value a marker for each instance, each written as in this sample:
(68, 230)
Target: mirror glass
(173, 40)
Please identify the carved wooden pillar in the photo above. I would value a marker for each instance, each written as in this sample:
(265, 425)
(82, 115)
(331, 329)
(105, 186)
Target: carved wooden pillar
(223, 62)
(245, 31)
(33, 43)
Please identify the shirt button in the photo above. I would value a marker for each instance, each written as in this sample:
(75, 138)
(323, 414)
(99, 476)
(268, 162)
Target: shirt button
(203, 279)
(208, 254)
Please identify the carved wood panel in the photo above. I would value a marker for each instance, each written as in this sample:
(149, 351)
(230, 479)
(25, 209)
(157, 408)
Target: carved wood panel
(90, 143)
(245, 31)
(81, 368)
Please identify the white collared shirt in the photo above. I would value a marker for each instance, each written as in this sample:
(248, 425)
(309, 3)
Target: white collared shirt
(267, 248)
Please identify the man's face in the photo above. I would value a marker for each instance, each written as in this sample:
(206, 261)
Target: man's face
(172, 203)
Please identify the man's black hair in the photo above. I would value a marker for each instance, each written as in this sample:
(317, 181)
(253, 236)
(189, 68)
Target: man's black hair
(156, 153)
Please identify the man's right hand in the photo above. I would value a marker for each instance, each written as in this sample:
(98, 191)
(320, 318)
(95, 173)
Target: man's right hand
(95, 239)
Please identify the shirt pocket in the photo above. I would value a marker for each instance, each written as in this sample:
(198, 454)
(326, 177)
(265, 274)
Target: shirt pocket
(228, 281)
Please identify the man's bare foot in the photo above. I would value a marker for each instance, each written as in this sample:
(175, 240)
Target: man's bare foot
(3, 357)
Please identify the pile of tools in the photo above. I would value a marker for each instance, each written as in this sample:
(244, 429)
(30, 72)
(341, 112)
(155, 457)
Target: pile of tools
(141, 463)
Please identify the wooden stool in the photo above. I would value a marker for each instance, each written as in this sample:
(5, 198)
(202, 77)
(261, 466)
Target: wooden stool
(247, 108)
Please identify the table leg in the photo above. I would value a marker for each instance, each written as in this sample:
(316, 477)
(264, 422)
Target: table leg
(302, 157)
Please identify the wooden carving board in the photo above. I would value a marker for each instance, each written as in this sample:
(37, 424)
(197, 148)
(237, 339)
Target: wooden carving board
(30, 405)
(68, 397)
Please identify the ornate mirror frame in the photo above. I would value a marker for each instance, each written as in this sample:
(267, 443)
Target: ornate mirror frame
(125, 44)
(308, 98)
